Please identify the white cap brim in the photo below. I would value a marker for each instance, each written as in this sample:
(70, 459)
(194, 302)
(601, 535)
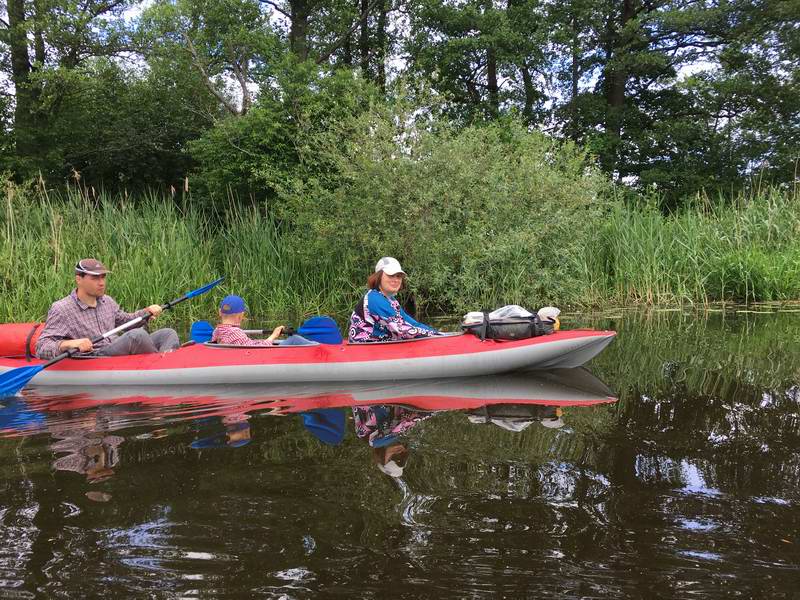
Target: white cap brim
(392, 469)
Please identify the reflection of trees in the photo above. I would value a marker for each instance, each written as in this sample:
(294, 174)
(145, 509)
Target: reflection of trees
(757, 349)
(719, 392)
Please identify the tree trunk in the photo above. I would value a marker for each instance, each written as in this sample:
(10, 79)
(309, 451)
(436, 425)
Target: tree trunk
(491, 81)
(616, 78)
(298, 33)
(347, 44)
(380, 43)
(530, 92)
(363, 40)
(38, 35)
(575, 76)
(25, 93)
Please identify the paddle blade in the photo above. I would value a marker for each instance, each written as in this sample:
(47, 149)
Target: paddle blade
(14, 380)
(201, 332)
(204, 289)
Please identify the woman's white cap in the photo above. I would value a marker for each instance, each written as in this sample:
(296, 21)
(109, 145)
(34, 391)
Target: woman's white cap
(389, 265)
(392, 469)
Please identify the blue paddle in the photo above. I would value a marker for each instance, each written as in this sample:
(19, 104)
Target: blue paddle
(14, 380)
(326, 424)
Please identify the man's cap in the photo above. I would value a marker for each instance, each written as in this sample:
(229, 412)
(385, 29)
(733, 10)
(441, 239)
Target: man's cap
(389, 265)
(90, 266)
(232, 305)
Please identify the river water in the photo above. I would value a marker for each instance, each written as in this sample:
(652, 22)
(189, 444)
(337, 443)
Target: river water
(669, 469)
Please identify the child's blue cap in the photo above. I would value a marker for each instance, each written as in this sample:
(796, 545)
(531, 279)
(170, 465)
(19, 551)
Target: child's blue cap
(232, 305)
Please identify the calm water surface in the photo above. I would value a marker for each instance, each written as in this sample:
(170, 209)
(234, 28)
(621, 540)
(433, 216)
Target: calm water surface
(686, 486)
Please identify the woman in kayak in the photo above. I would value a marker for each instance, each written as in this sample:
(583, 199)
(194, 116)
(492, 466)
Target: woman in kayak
(379, 316)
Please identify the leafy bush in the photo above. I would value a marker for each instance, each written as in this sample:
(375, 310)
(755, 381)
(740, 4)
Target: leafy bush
(479, 217)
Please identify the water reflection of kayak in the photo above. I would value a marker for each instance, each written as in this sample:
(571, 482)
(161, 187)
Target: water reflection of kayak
(446, 356)
(557, 387)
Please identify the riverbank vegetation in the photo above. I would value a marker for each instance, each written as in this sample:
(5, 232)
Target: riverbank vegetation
(523, 152)
(574, 245)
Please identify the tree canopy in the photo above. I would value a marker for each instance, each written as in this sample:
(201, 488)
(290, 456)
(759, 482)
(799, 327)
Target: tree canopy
(675, 96)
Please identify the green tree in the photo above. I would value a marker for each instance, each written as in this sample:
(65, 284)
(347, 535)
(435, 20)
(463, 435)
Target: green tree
(121, 130)
(230, 44)
(43, 36)
(483, 58)
(266, 153)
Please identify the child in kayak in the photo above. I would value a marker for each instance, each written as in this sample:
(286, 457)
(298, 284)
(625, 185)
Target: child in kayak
(232, 311)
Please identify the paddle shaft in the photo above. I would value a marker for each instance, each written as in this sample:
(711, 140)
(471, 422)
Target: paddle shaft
(287, 330)
(201, 331)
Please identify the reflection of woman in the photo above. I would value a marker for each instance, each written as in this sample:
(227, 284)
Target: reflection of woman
(379, 315)
(380, 424)
(391, 459)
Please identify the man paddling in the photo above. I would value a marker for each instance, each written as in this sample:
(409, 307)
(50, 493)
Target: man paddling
(87, 313)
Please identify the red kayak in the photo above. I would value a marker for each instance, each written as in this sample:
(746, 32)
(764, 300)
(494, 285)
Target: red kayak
(453, 355)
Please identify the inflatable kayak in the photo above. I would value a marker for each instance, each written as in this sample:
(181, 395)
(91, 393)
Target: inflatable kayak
(456, 355)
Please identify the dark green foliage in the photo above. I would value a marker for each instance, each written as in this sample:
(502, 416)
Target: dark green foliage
(269, 151)
(113, 129)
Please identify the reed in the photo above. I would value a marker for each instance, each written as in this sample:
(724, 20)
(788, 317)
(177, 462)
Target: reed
(743, 251)
(158, 249)
(259, 263)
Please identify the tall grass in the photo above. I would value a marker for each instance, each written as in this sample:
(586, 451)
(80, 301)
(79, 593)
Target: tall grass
(745, 251)
(157, 251)
(742, 251)
(262, 267)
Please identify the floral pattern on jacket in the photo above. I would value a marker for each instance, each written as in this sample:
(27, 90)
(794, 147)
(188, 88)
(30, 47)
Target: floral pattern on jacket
(378, 318)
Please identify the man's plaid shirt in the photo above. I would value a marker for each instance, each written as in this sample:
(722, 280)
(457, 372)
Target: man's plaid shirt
(71, 319)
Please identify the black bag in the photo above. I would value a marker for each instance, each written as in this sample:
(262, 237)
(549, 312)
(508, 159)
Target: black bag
(514, 328)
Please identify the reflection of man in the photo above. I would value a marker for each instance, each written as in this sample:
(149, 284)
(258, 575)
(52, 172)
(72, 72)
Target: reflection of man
(95, 456)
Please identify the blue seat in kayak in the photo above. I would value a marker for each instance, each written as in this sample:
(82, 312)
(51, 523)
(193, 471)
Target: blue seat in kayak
(321, 329)
(326, 424)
